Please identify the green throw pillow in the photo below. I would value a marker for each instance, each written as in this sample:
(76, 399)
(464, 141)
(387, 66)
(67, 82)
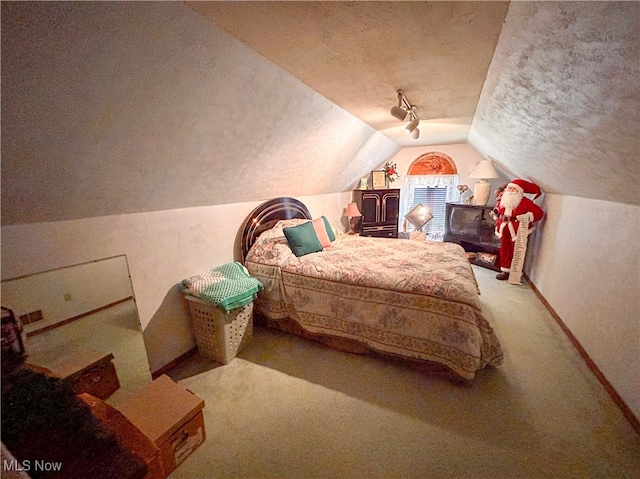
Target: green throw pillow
(330, 233)
(302, 239)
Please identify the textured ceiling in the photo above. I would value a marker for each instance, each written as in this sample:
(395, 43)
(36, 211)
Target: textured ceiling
(550, 90)
(123, 107)
(357, 54)
(561, 104)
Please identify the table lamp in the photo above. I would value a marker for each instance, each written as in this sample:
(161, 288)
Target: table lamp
(352, 212)
(482, 189)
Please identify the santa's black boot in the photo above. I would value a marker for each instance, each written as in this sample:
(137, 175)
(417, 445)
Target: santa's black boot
(502, 276)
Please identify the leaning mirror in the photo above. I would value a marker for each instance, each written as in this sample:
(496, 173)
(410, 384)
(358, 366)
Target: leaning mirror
(81, 323)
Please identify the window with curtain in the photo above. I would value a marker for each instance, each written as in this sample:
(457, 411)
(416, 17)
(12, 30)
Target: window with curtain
(433, 191)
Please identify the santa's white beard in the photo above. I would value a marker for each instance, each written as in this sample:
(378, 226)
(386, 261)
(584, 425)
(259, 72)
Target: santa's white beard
(511, 199)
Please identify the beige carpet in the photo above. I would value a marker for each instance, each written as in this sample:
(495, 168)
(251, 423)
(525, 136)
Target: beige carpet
(292, 408)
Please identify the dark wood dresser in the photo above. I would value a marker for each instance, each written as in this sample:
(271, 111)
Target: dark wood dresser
(380, 209)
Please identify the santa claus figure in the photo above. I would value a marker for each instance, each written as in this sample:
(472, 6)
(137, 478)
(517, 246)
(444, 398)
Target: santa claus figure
(512, 208)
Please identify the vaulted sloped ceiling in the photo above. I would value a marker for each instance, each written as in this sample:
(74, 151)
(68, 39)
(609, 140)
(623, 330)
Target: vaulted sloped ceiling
(357, 54)
(561, 104)
(124, 107)
(560, 101)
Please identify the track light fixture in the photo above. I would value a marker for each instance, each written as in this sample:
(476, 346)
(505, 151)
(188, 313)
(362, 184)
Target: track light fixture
(402, 110)
(405, 110)
(399, 112)
(413, 124)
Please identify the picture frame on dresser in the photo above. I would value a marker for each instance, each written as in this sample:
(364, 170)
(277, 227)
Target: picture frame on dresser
(378, 180)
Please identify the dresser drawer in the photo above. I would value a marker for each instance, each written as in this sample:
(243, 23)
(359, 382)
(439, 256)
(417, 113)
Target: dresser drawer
(380, 231)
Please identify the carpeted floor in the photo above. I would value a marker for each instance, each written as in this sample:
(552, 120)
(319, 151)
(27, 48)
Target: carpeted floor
(292, 408)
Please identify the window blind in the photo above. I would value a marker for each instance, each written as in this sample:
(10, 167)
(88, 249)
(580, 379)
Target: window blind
(434, 198)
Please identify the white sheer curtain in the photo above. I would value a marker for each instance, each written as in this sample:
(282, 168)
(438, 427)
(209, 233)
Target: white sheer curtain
(411, 182)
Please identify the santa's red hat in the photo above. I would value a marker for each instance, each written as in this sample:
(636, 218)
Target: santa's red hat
(526, 187)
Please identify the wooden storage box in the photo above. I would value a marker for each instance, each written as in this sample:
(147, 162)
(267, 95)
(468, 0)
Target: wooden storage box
(171, 416)
(129, 436)
(91, 372)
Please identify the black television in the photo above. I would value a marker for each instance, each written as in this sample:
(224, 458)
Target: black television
(469, 223)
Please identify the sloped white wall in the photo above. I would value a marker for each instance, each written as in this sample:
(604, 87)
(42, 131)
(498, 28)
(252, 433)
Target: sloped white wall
(111, 108)
(562, 91)
(560, 102)
(162, 248)
(140, 128)
(588, 269)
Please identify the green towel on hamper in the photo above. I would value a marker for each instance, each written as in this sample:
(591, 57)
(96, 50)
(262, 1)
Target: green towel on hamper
(228, 286)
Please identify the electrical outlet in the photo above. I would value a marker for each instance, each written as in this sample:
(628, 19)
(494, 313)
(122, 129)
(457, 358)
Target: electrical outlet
(67, 296)
(32, 317)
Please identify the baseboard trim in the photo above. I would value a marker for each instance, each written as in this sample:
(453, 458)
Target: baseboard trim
(172, 364)
(75, 318)
(622, 405)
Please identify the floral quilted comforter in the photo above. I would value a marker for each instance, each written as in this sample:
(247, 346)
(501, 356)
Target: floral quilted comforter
(408, 298)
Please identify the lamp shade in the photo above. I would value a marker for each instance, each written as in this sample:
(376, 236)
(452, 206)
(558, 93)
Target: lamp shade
(481, 190)
(352, 210)
(399, 112)
(484, 170)
(413, 124)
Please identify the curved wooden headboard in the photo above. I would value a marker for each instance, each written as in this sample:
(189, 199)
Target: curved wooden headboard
(267, 215)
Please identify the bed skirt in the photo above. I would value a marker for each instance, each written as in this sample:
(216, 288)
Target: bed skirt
(346, 345)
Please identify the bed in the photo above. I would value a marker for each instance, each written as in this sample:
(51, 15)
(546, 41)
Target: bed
(414, 301)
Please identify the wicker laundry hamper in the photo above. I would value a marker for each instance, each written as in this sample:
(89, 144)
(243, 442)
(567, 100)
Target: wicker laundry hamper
(220, 336)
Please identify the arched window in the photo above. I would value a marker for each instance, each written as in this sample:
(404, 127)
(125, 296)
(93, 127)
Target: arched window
(431, 180)
(433, 163)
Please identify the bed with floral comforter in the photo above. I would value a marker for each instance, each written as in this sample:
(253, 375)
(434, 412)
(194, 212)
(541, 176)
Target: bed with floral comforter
(408, 299)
